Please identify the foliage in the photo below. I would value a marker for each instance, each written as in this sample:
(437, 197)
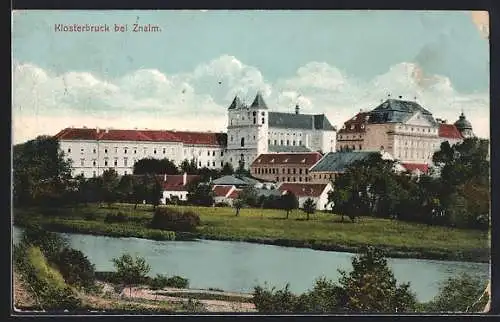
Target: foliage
(177, 282)
(42, 174)
(200, 194)
(188, 166)
(155, 166)
(131, 271)
(172, 219)
(115, 217)
(109, 185)
(309, 207)
(75, 267)
(288, 202)
(371, 286)
(45, 283)
(125, 189)
(51, 244)
(249, 196)
(460, 293)
(227, 169)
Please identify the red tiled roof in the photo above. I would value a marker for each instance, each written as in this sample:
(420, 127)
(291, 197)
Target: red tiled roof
(309, 158)
(303, 189)
(199, 138)
(449, 131)
(414, 166)
(174, 181)
(235, 194)
(358, 120)
(221, 191)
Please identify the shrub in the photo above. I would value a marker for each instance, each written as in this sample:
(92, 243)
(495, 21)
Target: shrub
(90, 216)
(177, 282)
(171, 219)
(75, 268)
(51, 244)
(119, 217)
(221, 204)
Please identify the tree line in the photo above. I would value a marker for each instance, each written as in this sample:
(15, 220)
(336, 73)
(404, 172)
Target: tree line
(455, 193)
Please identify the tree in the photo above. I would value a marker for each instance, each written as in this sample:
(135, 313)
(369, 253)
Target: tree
(249, 196)
(155, 166)
(238, 204)
(309, 207)
(131, 271)
(125, 189)
(227, 169)
(288, 202)
(41, 172)
(156, 193)
(109, 185)
(462, 293)
(200, 194)
(372, 287)
(75, 267)
(50, 243)
(189, 166)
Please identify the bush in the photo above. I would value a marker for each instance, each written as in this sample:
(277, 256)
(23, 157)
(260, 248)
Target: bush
(90, 216)
(51, 244)
(177, 282)
(116, 218)
(171, 219)
(222, 204)
(75, 268)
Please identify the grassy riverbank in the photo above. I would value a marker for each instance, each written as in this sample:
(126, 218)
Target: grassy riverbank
(267, 226)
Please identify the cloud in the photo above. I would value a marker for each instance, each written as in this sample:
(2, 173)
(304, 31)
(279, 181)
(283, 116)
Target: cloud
(44, 103)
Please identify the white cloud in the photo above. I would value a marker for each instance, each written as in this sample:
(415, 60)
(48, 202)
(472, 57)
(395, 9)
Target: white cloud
(44, 103)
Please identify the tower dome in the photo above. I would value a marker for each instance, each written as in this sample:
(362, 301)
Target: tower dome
(464, 126)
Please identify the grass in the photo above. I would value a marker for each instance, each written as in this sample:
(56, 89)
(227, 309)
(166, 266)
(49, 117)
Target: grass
(323, 231)
(206, 296)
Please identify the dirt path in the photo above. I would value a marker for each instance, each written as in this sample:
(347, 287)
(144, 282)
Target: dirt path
(210, 305)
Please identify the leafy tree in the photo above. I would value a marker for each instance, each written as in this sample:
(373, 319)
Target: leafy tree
(238, 204)
(51, 244)
(200, 194)
(156, 192)
(155, 166)
(371, 286)
(462, 293)
(125, 189)
(227, 169)
(309, 207)
(189, 166)
(207, 174)
(249, 196)
(131, 271)
(288, 202)
(109, 185)
(41, 172)
(75, 267)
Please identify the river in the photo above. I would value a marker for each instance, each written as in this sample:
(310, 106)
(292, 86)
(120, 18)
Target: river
(238, 266)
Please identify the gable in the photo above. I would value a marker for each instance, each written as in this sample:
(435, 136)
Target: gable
(419, 120)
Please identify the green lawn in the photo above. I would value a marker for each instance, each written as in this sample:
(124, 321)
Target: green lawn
(322, 231)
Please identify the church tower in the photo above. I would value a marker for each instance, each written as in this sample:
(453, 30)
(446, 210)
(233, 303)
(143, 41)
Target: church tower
(246, 131)
(464, 126)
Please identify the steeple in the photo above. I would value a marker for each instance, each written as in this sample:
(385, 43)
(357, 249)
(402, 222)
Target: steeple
(258, 102)
(236, 104)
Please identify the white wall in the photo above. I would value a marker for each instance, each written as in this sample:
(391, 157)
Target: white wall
(182, 195)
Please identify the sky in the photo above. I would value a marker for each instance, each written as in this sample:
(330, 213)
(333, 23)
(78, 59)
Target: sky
(185, 75)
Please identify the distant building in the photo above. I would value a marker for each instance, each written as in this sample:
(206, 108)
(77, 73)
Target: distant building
(317, 192)
(284, 167)
(464, 126)
(176, 186)
(402, 128)
(225, 194)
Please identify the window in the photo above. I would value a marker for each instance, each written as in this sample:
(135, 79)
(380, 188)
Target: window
(213, 163)
(94, 151)
(307, 171)
(293, 142)
(283, 171)
(287, 142)
(154, 151)
(360, 146)
(116, 150)
(125, 161)
(288, 170)
(105, 162)
(263, 120)
(242, 143)
(293, 179)
(222, 163)
(199, 163)
(275, 142)
(116, 163)
(135, 151)
(164, 150)
(283, 179)
(263, 113)
(281, 142)
(82, 162)
(94, 174)
(269, 142)
(213, 153)
(300, 179)
(81, 151)
(93, 163)
(125, 173)
(300, 171)
(294, 171)
(69, 150)
(254, 137)
(231, 138)
(277, 178)
(208, 163)
(300, 142)
(125, 151)
(221, 153)
(288, 179)
(254, 120)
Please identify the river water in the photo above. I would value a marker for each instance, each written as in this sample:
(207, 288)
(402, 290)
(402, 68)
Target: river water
(239, 266)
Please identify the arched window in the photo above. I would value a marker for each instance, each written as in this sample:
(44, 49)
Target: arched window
(242, 142)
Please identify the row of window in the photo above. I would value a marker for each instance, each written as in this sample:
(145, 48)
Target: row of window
(324, 176)
(347, 137)
(155, 151)
(125, 163)
(349, 148)
(282, 142)
(283, 171)
(414, 154)
(292, 179)
(281, 133)
(418, 129)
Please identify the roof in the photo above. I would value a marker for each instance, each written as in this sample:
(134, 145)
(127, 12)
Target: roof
(236, 104)
(356, 124)
(416, 166)
(287, 148)
(308, 159)
(250, 181)
(229, 180)
(174, 182)
(339, 161)
(258, 102)
(267, 192)
(235, 194)
(449, 131)
(199, 138)
(463, 123)
(300, 121)
(222, 191)
(303, 189)
(398, 111)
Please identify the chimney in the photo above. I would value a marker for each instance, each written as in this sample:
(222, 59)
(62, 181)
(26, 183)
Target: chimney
(164, 178)
(107, 130)
(297, 108)
(97, 130)
(184, 178)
